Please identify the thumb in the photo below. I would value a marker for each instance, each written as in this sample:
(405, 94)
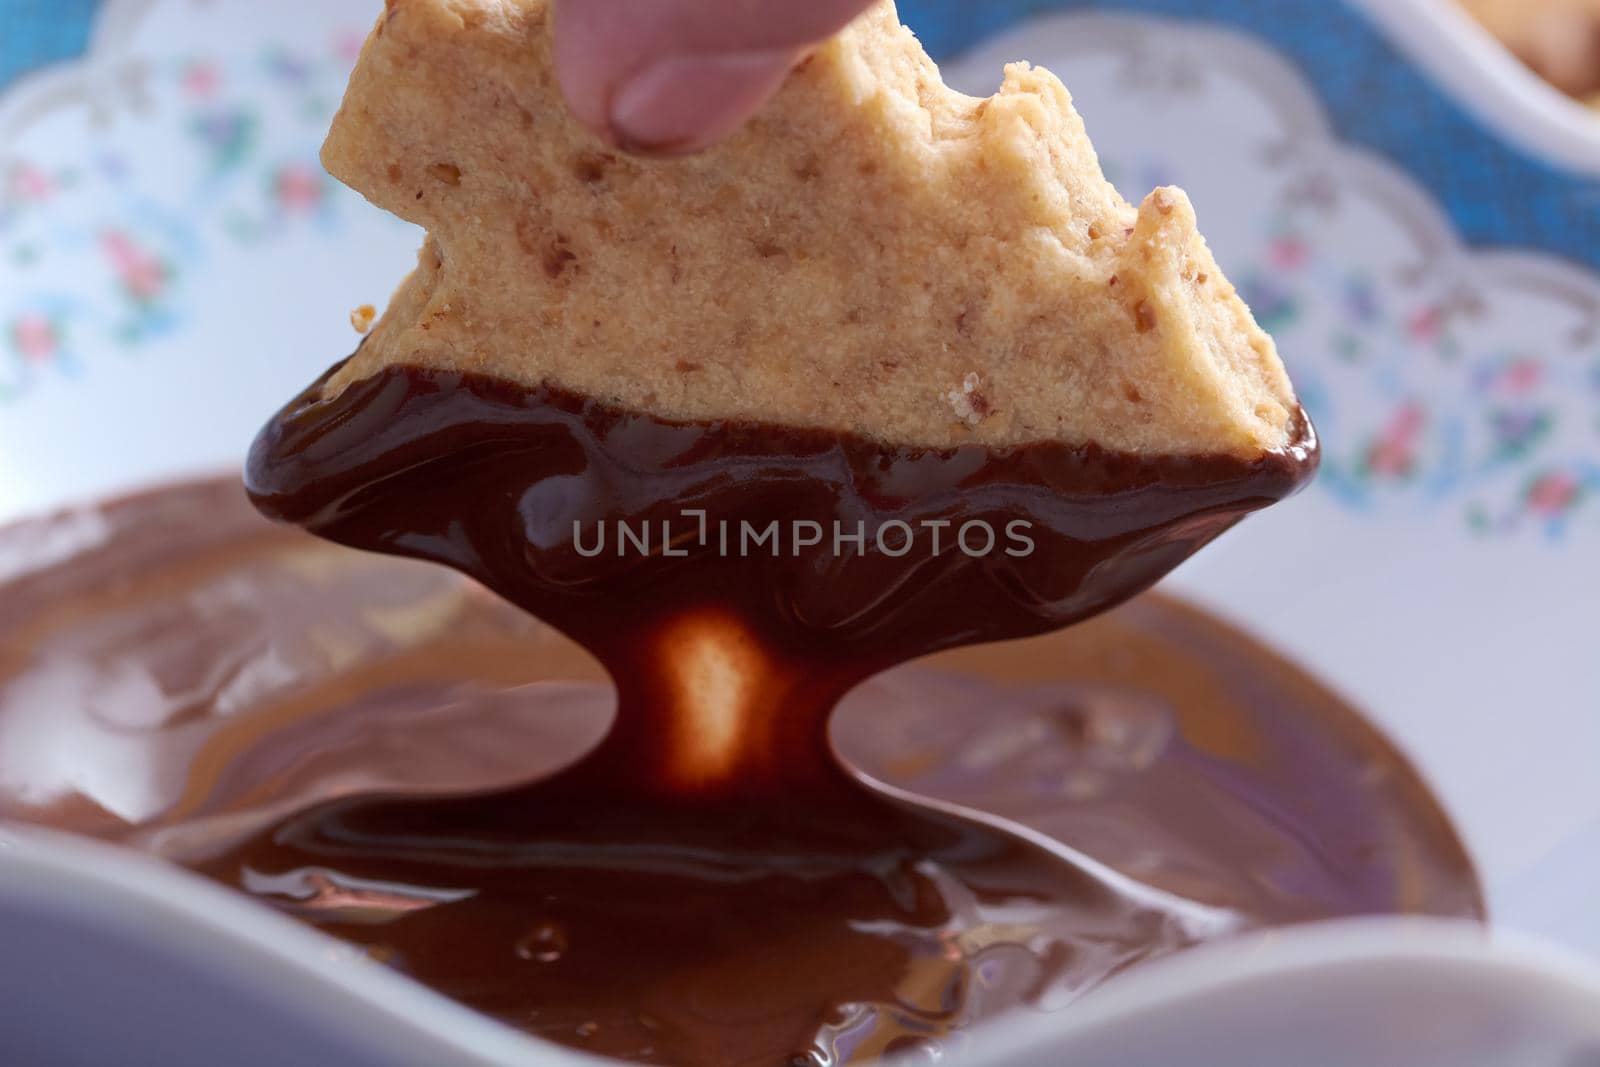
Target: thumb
(673, 76)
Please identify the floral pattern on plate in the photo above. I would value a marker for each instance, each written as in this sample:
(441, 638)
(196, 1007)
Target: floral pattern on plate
(184, 152)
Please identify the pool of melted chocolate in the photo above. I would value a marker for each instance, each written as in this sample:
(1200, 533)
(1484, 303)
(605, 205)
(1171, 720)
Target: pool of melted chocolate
(691, 867)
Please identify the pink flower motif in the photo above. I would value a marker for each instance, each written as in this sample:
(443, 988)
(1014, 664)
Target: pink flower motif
(200, 80)
(34, 337)
(30, 183)
(298, 188)
(1552, 494)
(1394, 453)
(1426, 325)
(1288, 253)
(1521, 374)
(347, 45)
(142, 275)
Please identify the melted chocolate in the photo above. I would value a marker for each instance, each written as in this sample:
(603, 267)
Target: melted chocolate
(175, 675)
(708, 884)
(501, 483)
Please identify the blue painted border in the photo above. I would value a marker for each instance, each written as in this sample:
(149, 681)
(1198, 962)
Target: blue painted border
(39, 33)
(1498, 195)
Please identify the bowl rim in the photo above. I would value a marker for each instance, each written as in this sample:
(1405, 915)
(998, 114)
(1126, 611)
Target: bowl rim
(1474, 68)
(107, 889)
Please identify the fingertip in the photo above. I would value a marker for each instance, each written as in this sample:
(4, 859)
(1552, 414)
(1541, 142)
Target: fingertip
(585, 66)
(683, 104)
(673, 76)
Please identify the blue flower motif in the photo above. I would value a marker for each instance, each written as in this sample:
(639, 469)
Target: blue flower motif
(1274, 306)
(1361, 300)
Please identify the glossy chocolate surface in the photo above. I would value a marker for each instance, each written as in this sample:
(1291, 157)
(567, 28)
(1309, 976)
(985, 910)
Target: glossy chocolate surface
(686, 872)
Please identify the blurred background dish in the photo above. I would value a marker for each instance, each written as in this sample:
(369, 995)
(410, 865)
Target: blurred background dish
(1558, 39)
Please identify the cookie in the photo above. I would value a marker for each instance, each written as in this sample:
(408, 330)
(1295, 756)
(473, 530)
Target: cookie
(874, 253)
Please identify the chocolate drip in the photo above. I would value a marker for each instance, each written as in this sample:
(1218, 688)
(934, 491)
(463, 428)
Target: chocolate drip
(705, 882)
(502, 482)
(211, 676)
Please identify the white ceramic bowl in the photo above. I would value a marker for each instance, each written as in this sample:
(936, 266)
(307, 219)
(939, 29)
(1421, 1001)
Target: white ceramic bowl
(114, 958)
(1411, 213)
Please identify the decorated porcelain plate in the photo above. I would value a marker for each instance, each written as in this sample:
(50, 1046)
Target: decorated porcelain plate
(1414, 216)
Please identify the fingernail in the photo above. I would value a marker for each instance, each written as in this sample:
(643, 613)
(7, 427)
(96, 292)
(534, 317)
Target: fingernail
(685, 103)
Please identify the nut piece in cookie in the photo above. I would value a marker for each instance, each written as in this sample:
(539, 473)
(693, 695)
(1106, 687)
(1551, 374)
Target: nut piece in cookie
(873, 253)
